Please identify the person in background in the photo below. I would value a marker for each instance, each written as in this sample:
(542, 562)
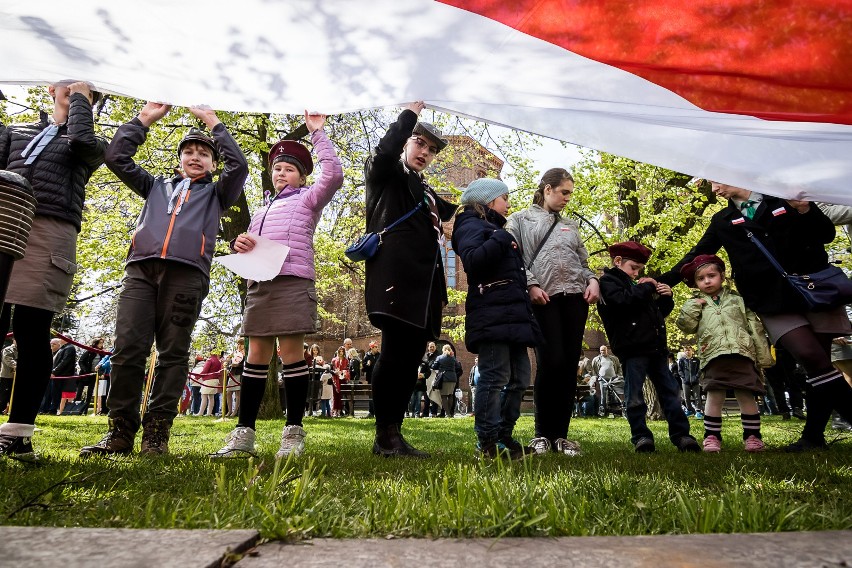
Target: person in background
(687, 371)
(370, 359)
(7, 374)
(473, 380)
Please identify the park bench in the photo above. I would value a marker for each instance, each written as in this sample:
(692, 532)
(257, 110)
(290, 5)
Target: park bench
(358, 395)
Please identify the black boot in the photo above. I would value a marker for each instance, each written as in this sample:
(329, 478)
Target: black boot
(389, 442)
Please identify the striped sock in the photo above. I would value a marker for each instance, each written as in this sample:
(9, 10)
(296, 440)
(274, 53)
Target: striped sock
(751, 425)
(825, 378)
(713, 426)
(296, 388)
(251, 393)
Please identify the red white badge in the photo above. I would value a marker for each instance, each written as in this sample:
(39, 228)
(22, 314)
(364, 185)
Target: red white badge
(779, 211)
(739, 221)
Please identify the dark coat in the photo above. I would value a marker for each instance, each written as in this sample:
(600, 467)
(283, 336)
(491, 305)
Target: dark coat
(498, 307)
(65, 361)
(797, 241)
(63, 168)
(446, 364)
(405, 280)
(634, 315)
(687, 370)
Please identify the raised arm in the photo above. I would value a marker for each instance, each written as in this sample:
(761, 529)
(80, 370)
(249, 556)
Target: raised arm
(126, 142)
(331, 178)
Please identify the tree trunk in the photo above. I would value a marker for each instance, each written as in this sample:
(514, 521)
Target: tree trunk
(650, 393)
(270, 406)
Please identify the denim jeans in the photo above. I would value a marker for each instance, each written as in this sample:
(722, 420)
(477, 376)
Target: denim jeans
(656, 368)
(500, 365)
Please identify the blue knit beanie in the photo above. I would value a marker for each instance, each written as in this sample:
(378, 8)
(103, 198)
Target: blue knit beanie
(484, 191)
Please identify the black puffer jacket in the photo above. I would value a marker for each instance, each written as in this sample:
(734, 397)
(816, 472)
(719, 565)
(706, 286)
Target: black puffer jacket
(405, 280)
(63, 168)
(498, 307)
(634, 315)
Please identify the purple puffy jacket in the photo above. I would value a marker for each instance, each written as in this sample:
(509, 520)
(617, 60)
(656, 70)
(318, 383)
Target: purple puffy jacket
(291, 216)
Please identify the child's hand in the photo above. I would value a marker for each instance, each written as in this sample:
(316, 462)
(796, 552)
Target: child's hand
(416, 107)
(700, 301)
(152, 112)
(314, 121)
(664, 289)
(647, 280)
(206, 115)
(244, 243)
(538, 296)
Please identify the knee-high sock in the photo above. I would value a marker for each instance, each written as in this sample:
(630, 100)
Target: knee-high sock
(296, 387)
(253, 385)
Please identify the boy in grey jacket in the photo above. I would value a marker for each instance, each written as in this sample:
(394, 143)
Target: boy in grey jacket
(167, 273)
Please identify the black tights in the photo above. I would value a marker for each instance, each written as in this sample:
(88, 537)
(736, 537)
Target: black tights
(813, 351)
(31, 327)
(395, 373)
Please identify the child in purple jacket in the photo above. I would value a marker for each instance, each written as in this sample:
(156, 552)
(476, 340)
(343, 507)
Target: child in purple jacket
(286, 306)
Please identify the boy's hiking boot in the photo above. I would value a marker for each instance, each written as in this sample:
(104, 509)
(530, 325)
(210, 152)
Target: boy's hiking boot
(238, 444)
(17, 448)
(515, 449)
(688, 444)
(644, 446)
(497, 451)
(118, 440)
(155, 436)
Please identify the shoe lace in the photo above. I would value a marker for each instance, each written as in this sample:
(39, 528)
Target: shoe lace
(567, 446)
(540, 445)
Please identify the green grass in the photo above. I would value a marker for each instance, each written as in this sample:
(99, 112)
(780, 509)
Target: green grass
(339, 489)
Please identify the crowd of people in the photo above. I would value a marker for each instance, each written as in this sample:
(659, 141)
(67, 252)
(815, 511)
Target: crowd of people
(529, 286)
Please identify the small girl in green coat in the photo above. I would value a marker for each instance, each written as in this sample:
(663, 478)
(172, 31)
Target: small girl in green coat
(731, 346)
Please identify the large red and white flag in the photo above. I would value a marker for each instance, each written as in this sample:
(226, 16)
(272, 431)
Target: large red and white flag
(755, 94)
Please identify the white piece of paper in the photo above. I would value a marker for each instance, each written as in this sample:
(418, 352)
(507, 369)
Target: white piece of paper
(263, 262)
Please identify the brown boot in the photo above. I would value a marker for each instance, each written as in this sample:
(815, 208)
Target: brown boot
(118, 440)
(155, 436)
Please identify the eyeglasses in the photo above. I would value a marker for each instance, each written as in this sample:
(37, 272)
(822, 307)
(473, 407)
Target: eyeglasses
(420, 143)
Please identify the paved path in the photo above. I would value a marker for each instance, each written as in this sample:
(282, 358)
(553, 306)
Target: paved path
(41, 547)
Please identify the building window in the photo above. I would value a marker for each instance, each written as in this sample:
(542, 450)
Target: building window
(450, 266)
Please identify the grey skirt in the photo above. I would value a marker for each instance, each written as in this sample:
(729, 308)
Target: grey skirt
(285, 305)
(833, 321)
(732, 372)
(42, 279)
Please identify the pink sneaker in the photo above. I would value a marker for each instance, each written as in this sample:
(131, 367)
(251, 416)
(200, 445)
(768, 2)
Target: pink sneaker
(754, 444)
(712, 444)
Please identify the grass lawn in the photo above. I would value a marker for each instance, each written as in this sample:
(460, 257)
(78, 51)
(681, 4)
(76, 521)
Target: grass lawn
(339, 489)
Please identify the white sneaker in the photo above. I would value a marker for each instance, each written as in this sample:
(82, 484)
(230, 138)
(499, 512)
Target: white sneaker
(292, 441)
(567, 447)
(238, 444)
(540, 445)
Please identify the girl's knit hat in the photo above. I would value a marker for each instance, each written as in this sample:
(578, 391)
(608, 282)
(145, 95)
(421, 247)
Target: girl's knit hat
(484, 191)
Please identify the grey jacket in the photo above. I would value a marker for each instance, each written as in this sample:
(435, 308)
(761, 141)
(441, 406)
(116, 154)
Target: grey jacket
(187, 233)
(10, 362)
(562, 265)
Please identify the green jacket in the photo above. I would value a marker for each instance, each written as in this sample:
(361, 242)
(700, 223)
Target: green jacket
(729, 328)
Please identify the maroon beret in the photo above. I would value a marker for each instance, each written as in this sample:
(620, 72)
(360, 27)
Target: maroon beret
(687, 271)
(630, 250)
(291, 151)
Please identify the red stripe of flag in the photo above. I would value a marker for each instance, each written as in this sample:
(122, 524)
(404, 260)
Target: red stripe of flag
(777, 60)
